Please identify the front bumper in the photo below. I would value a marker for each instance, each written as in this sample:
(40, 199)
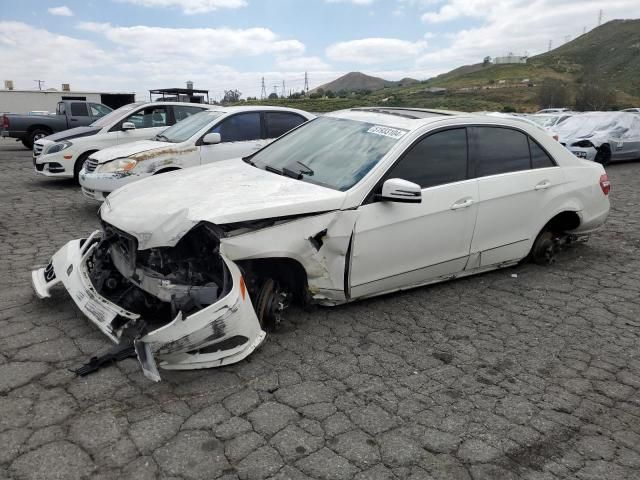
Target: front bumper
(55, 164)
(97, 186)
(222, 333)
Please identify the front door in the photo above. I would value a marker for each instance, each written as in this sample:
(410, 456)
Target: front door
(149, 121)
(399, 245)
(240, 135)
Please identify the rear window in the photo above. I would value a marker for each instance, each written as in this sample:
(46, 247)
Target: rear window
(279, 123)
(500, 150)
(79, 110)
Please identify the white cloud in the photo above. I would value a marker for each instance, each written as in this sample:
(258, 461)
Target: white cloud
(62, 11)
(301, 64)
(367, 51)
(191, 7)
(198, 43)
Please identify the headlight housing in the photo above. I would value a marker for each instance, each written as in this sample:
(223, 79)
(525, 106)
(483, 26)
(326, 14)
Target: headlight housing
(58, 147)
(117, 165)
(582, 144)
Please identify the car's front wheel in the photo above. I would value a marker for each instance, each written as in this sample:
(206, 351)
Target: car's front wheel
(35, 135)
(603, 157)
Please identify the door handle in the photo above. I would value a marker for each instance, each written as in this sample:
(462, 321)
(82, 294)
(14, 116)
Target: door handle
(462, 204)
(73, 119)
(543, 185)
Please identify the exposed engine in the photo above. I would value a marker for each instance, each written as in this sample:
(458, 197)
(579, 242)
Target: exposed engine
(160, 282)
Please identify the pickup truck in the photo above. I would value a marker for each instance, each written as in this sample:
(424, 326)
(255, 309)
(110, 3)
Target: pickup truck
(69, 114)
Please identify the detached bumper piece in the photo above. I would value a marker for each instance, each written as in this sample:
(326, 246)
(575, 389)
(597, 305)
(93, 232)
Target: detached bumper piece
(115, 354)
(221, 329)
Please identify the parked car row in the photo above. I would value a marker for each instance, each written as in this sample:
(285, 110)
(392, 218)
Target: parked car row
(193, 267)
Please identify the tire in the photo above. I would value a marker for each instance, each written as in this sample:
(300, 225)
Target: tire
(78, 166)
(603, 157)
(35, 134)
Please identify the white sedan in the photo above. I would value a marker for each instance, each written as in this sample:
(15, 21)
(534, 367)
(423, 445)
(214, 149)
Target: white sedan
(63, 154)
(193, 267)
(211, 136)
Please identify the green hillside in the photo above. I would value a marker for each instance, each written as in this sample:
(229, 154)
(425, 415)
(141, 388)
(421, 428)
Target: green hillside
(609, 53)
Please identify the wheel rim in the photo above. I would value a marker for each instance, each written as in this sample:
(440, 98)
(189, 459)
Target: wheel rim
(38, 136)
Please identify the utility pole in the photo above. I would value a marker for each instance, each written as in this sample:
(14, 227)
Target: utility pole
(283, 90)
(40, 83)
(600, 17)
(306, 82)
(263, 92)
(550, 45)
(584, 30)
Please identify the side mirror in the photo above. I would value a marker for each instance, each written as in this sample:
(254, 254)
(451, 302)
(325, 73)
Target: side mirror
(128, 126)
(398, 190)
(211, 139)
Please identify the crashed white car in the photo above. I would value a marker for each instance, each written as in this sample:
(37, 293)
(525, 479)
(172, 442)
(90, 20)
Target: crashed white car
(193, 267)
(211, 136)
(63, 154)
(602, 137)
(550, 120)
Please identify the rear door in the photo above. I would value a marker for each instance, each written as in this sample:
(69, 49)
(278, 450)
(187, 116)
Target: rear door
(517, 185)
(240, 134)
(78, 115)
(279, 123)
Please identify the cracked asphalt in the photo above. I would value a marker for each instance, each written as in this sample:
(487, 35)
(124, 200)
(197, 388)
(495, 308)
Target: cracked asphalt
(530, 372)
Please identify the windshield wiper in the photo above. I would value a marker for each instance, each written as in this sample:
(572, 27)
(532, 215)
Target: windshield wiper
(249, 161)
(269, 168)
(307, 169)
(159, 136)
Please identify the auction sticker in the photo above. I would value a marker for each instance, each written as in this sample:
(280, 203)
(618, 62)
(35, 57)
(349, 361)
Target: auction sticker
(387, 131)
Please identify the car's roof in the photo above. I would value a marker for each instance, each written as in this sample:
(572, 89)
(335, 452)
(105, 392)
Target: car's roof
(253, 108)
(405, 118)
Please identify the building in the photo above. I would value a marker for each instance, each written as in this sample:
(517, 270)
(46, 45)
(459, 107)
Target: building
(510, 58)
(189, 94)
(25, 101)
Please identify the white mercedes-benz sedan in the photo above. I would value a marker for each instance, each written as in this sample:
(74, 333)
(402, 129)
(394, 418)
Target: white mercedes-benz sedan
(193, 267)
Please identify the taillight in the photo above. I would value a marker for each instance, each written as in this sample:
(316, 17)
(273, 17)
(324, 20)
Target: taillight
(5, 121)
(605, 184)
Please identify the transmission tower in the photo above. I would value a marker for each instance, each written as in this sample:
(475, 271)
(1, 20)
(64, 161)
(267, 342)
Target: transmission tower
(275, 90)
(550, 45)
(306, 82)
(283, 90)
(600, 17)
(263, 92)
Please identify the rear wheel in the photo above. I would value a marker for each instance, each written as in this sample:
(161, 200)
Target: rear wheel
(35, 135)
(543, 251)
(25, 143)
(603, 157)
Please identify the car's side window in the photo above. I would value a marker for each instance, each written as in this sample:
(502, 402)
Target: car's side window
(242, 127)
(500, 150)
(539, 158)
(79, 110)
(182, 111)
(279, 123)
(149, 117)
(435, 160)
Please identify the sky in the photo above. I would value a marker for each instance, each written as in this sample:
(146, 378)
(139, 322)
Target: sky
(137, 45)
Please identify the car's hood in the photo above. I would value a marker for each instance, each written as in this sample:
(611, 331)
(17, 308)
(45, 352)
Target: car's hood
(129, 149)
(159, 210)
(74, 133)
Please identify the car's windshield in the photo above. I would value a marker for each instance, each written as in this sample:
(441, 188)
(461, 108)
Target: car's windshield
(185, 129)
(333, 152)
(546, 121)
(113, 116)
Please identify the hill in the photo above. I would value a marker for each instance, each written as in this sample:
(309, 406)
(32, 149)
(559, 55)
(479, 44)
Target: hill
(358, 81)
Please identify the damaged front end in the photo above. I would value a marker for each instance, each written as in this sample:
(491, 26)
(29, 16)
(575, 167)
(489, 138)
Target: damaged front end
(184, 306)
